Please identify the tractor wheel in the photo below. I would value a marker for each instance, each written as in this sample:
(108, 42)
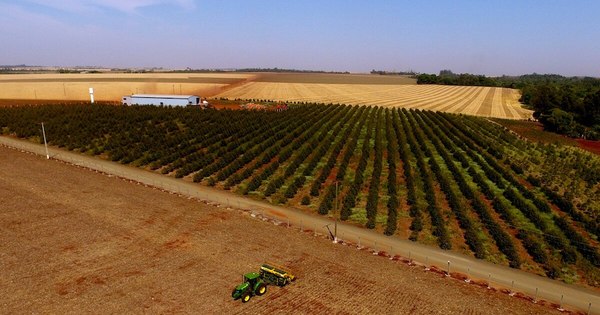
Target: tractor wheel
(262, 289)
(245, 297)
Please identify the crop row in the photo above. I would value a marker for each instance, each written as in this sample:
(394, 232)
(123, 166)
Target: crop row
(444, 177)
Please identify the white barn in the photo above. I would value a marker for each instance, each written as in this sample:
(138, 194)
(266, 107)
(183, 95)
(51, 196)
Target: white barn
(160, 99)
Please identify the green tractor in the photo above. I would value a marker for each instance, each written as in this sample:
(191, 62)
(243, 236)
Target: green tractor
(252, 285)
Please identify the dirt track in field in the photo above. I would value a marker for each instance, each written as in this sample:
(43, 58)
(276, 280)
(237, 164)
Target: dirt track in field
(76, 241)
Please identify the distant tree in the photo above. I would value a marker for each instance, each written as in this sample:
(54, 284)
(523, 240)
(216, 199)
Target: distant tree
(559, 121)
(591, 108)
(427, 79)
(447, 73)
(305, 200)
(546, 97)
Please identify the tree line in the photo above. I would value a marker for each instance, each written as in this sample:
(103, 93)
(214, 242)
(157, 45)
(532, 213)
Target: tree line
(565, 105)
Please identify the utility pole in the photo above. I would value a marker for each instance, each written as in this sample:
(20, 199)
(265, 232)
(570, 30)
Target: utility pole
(45, 143)
(335, 213)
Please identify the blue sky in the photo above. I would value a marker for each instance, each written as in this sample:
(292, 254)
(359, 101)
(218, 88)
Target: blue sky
(477, 36)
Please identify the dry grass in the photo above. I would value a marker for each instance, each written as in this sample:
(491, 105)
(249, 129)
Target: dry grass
(327, 78)
(389, 91)
(112, 86)
(479, 101)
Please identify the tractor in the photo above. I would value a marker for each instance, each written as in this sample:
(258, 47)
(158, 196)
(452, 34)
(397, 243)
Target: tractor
(252, 284)
(255, 283)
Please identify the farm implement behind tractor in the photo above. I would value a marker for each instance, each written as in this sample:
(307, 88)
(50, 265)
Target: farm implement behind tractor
(276, 275)
(255, 283)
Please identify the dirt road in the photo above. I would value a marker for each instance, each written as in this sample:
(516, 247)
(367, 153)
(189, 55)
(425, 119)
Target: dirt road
(499, 276)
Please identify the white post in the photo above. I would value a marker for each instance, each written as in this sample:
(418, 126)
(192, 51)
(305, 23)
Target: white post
(335, 240)
(560, 308)
(468, 280)
(45, 143)
(92, 95)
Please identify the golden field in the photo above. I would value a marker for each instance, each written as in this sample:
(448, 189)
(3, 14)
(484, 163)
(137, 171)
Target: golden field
(356, 89)
(112, 86)
(478, 101)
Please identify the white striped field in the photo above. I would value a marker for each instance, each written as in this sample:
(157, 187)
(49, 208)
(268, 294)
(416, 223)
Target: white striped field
(478, 101)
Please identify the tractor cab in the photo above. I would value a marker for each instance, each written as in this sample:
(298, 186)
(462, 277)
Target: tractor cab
(251, 278)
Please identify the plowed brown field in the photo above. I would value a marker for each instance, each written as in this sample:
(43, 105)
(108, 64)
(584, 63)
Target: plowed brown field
(75, 241)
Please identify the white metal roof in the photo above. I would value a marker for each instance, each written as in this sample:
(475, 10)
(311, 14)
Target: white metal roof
(163, 96)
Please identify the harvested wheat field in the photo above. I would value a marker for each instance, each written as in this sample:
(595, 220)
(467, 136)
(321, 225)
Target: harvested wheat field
(112, 86)
(354, 89)
(479, 101)
(74, 241)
